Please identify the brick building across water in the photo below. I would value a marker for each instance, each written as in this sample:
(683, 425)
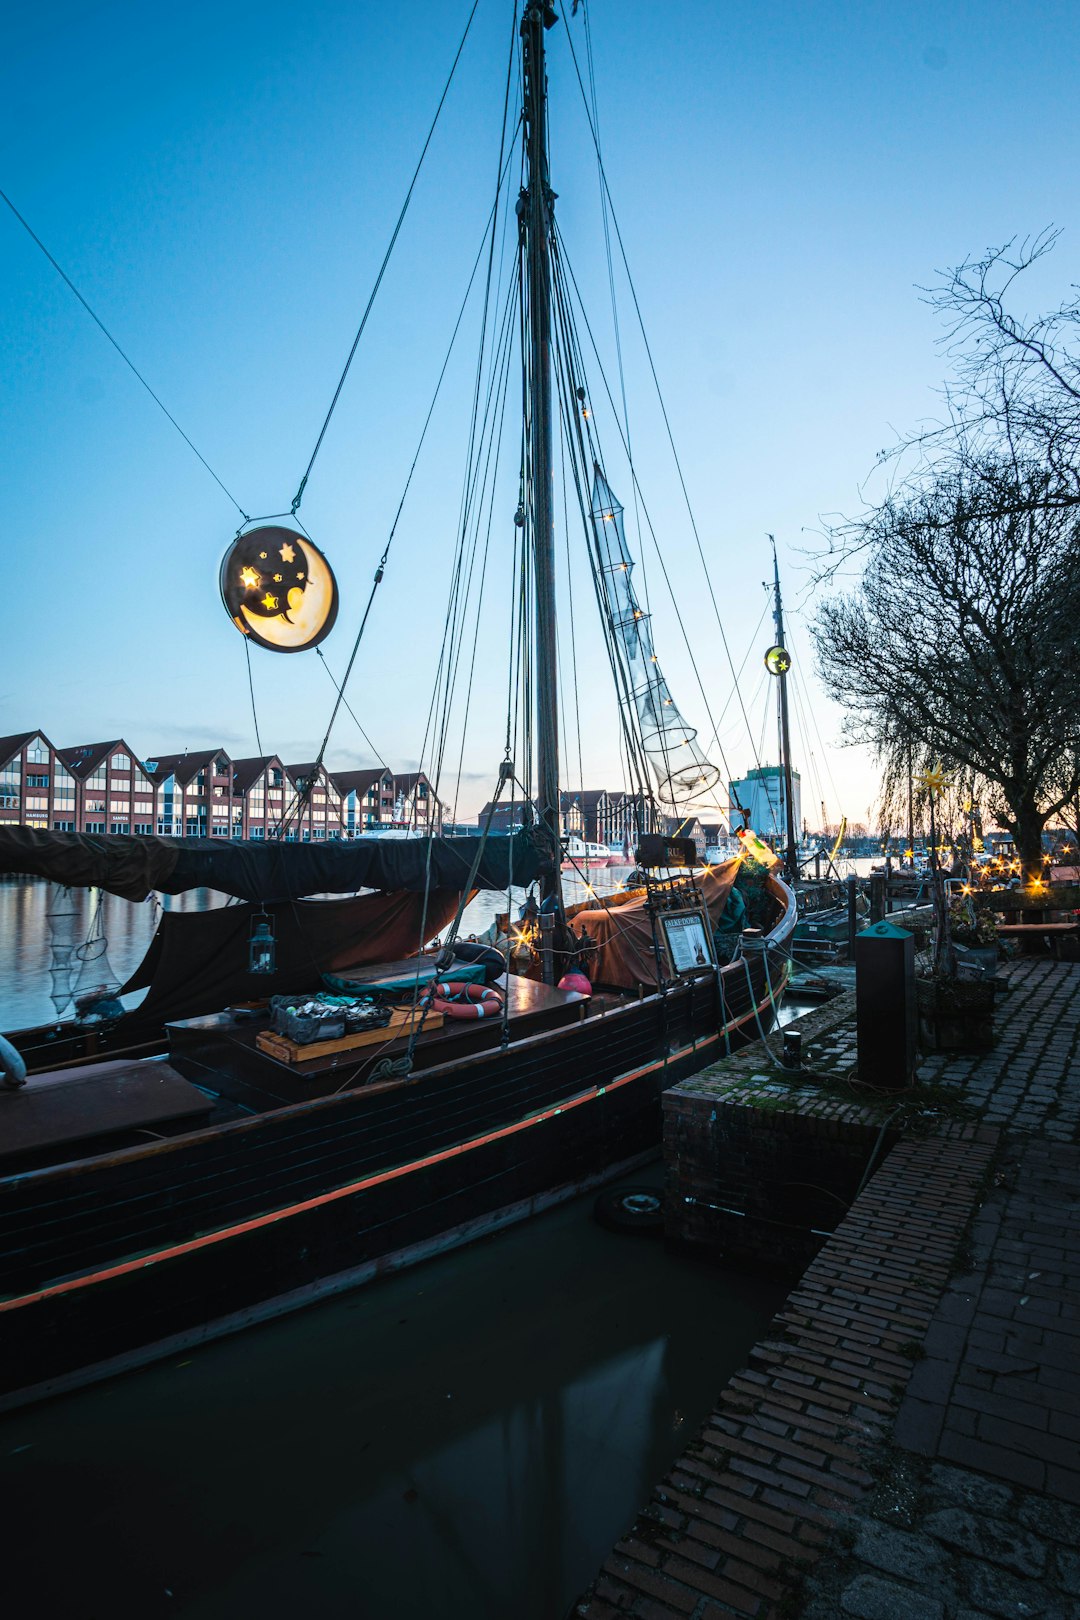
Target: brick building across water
(105, 787)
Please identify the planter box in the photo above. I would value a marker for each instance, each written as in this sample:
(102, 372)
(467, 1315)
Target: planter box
(955, 1017)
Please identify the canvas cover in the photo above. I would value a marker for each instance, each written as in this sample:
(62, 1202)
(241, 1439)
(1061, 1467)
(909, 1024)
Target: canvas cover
(197, 961)
(624, 957)
(132, 867)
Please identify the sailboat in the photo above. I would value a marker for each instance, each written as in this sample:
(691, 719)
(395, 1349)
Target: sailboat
(148, 1205)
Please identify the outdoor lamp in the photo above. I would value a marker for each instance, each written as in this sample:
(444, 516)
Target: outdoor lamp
(262, 947)
(279, 589)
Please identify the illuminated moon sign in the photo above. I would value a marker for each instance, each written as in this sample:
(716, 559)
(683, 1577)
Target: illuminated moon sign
(777, 660)
(278, 589)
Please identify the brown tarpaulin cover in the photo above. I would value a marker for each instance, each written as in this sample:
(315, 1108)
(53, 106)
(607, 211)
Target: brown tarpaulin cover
(198, 960)
(250, 869)
(624, 937)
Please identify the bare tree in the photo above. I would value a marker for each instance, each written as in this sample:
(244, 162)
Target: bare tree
(960, 642)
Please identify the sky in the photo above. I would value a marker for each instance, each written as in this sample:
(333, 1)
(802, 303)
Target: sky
(221, 183)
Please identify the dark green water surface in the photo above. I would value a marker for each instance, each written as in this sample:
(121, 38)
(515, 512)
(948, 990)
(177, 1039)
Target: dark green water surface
(465, 1439)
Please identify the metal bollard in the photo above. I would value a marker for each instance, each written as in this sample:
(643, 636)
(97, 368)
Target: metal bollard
(885, 1008)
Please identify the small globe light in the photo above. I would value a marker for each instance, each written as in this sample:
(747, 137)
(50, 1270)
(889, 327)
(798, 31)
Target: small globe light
(777, 660)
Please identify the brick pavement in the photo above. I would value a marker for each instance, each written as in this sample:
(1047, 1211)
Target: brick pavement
(913, 1424)
(1030, 1081)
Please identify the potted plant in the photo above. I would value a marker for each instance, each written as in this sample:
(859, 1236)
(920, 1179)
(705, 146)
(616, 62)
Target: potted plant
(976, 930)
(956, 1008)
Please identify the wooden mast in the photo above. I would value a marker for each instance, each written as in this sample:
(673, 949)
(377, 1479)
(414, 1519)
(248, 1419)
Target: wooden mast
(791, 855)
(535, 211)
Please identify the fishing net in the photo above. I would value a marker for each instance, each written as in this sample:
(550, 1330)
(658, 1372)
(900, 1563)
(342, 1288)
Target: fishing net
(668, 740)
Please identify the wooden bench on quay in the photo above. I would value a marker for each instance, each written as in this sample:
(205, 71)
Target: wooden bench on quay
(1048, 936)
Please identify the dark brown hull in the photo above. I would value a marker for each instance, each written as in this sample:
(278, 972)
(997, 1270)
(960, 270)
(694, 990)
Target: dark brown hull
(128, 1255)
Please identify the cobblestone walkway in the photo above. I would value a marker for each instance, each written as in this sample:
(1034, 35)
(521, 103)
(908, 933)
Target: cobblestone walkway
(974, 1509)
(979, 1511)
(1030, 1081)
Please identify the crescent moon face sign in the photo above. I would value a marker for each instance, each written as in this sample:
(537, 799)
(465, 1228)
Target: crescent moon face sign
(279, 589)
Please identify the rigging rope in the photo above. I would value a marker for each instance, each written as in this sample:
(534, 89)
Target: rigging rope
(340, 688)
(129, 363)
(652, 366)
(251, 689)
(298, 497)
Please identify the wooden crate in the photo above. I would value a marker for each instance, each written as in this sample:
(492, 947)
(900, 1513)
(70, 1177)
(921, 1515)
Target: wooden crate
(402, 1020)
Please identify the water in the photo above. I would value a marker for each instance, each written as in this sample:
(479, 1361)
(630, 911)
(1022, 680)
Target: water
(27, 935)
(466, 1439)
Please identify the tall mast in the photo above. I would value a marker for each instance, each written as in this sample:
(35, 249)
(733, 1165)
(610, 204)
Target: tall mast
(791, 855)
(535, 209)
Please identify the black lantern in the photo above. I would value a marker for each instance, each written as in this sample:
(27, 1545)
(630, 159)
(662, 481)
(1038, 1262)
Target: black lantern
(262, 948)
(279, 589)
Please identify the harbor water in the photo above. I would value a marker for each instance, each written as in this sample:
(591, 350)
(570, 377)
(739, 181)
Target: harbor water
(465, 1439)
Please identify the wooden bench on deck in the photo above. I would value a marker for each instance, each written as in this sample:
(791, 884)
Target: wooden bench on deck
(62, 1107)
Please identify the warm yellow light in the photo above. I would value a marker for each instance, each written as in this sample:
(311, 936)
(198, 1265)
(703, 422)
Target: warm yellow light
(299, 604)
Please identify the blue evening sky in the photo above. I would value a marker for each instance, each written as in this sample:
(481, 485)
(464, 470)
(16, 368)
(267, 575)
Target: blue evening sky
(220, 181)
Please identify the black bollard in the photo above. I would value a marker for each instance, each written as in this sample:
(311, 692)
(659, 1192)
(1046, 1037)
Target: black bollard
(877, 897)
(885, 1009)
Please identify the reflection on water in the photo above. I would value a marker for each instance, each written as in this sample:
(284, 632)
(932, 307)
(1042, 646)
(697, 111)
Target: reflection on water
(468, 1439)
(27, 937)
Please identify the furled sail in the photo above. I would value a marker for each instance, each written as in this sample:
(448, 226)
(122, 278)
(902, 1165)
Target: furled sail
(134, 866)
(668, 740)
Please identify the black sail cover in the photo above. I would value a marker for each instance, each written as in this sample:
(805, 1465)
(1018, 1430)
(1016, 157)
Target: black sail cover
(132, 867)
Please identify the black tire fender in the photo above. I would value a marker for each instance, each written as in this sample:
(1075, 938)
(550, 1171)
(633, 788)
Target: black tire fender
(631, 1209)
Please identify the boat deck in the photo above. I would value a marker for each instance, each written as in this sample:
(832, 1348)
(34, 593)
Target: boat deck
(220, 1050)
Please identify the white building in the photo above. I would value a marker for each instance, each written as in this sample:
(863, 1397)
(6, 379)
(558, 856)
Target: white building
(761, 792)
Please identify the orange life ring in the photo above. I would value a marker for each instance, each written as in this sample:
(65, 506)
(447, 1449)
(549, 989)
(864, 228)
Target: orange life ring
(458, 998)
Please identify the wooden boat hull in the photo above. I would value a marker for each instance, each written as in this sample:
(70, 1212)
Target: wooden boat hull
(126, 1257)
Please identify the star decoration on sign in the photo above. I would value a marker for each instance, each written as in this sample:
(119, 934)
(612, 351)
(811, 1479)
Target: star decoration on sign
(287, 553)
(249, 578)
(269, 601)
